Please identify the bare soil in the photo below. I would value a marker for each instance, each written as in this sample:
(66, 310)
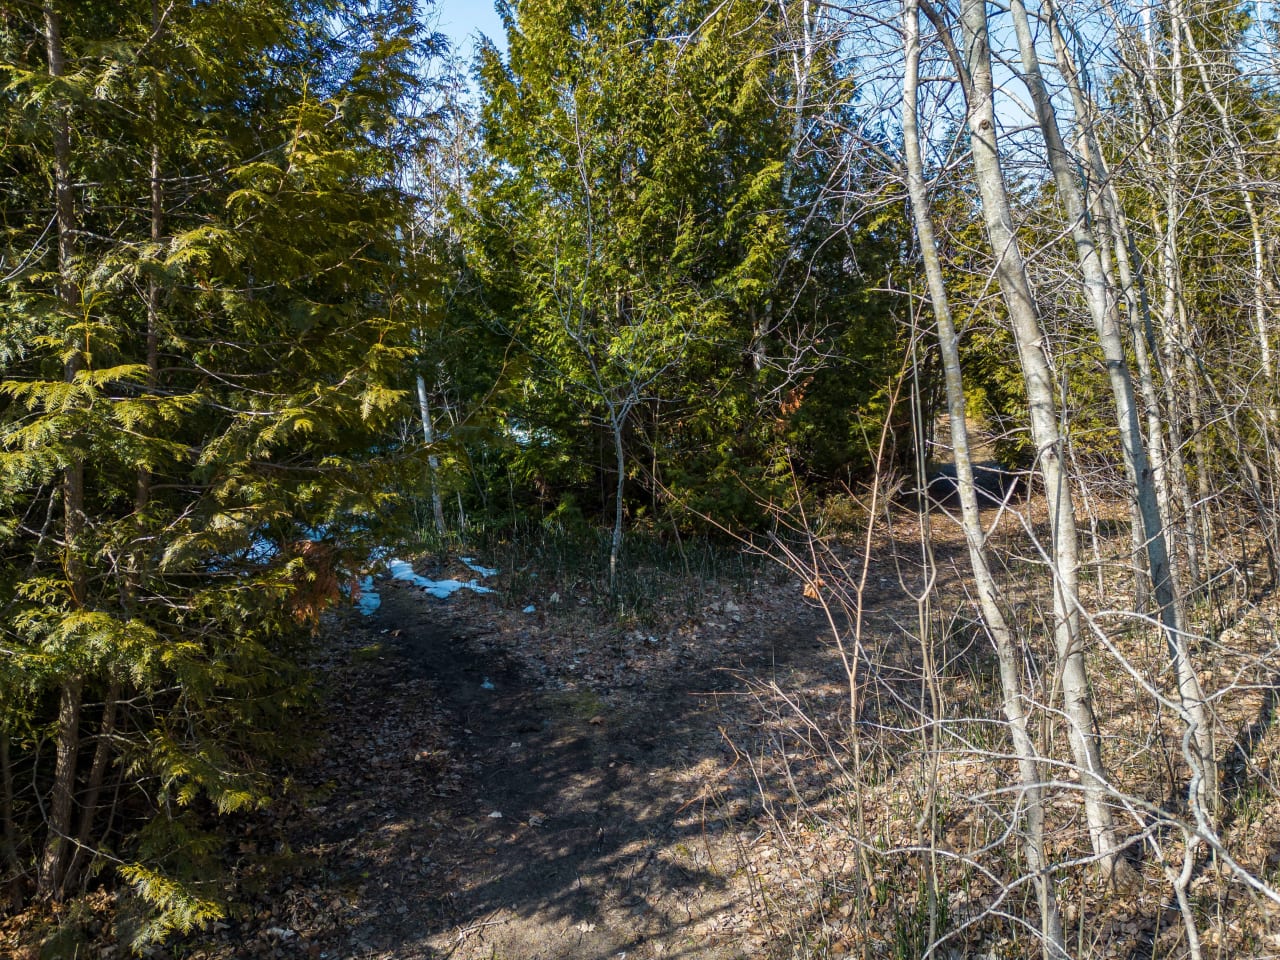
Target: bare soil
(501, 785)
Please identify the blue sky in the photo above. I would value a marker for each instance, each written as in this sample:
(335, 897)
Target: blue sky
(462, 20)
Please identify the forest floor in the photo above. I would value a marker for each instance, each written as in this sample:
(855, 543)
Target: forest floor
(499, 784)
(564, 784)
(505, 785)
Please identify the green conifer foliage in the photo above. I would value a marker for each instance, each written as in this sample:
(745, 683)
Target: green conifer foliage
(650, 233)
(201, 355)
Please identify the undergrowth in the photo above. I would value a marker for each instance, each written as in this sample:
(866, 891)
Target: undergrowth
(564, 571)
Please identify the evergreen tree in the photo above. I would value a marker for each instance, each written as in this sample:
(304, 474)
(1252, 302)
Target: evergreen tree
(651, 237)
(203, 350)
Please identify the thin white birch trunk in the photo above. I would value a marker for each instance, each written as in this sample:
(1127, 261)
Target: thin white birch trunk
(1146, 342)
(1024, 319)
(1260, 280)
(1104, 315)
(1013, 698)
(433, 461)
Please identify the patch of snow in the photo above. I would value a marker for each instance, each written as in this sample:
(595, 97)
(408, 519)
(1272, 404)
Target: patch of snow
(529, 609)
(496, 815)
(440, 589)
(483, 571)
(443, 589)
(369, 599)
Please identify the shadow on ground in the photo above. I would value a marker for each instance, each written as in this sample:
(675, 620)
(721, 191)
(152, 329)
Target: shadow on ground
(605, 845)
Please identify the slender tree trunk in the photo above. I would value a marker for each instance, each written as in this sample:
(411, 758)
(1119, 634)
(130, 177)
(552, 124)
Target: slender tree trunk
(1199, 522)
(143, 493)
(1236, 153)
(1102, 310)
(433, 461)
(1011, 273)
(93, 785)
(1192, 509)
(1168, 468)
(617, 422)
(12, 863)
(1113, 245)
(1270, 420)
(1166, 251)
(1200, 753)
(62, 798)
(802, 51)
(1013, 700)
(462, 512)
(1173, 341)
(428, 422)
(142, 497)
(801, 67)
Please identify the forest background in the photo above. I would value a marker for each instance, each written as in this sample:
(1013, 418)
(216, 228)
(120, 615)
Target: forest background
(279, 291)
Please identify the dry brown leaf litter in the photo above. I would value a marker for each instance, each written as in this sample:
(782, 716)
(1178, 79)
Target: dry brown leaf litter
(393, 845)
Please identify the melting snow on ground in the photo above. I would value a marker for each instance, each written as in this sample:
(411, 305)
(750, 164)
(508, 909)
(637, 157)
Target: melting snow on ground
(440, 589)
(369, 600)
(483, 571)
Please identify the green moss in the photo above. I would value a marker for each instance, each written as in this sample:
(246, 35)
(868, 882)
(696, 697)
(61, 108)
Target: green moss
(374, 651)
(573, 704)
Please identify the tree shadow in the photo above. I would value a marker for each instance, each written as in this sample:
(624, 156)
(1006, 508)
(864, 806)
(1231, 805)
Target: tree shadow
(1238, 769)
(582, 830)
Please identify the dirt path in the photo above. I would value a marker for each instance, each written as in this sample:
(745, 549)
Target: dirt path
(491, 785)
(494, 785)
(497, 814)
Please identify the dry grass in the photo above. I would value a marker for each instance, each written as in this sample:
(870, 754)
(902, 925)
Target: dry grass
(896, 834)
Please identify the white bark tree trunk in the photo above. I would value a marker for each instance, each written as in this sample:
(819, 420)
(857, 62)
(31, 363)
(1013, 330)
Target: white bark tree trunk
(433, 461)
(1010, 270)
(1106, 323)
(1013, 699)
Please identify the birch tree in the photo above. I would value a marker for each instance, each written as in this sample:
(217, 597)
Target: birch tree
(1040, 383)
(1102, 305)
(1002, 635)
